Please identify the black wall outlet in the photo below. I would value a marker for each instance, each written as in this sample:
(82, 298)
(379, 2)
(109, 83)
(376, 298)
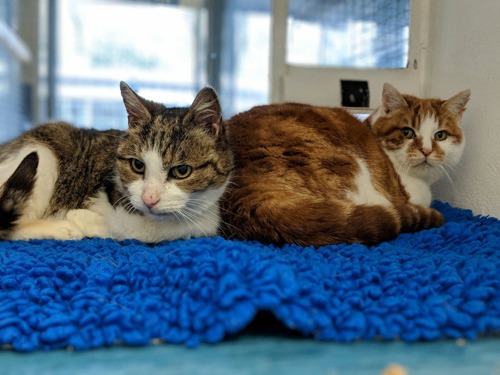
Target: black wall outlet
(355, 93)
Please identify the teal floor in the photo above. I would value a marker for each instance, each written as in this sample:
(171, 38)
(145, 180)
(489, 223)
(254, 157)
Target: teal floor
(250, 355)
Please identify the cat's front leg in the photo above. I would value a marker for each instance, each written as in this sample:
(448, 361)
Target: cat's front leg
(90, 223)
(46, 229)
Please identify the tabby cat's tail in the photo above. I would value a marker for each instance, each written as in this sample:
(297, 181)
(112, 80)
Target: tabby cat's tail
(313, 223)
(15, 191)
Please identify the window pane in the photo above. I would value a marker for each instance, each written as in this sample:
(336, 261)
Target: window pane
(10, 95)
(246, 36)
(12, 99)
(349, 33)
(157, 49)
(166, 52)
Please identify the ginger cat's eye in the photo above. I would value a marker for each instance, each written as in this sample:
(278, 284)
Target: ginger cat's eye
(408, 133)
(137, 166)
(182, 171)
(441, 135)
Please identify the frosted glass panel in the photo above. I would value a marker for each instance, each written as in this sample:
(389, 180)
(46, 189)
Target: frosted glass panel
(349, 33)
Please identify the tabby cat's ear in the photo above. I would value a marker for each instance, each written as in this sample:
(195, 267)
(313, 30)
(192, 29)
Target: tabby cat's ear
(456, 104)
(135, 105)
(206, 110)
(391, 98)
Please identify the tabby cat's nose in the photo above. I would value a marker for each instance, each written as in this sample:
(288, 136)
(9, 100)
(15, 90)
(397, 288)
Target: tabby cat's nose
(150, 200)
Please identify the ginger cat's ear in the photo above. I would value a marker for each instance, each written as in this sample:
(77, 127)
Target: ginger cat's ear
(391, 98)
(136, 106)
(206, 110)
(456, 104)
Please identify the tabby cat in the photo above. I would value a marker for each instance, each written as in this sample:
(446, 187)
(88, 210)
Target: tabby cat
(422, 137)
(312, 175)
(160, 180)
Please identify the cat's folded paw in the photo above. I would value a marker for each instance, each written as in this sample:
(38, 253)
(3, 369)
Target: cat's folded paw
(65, 230)
(90, 223)
(46, 229)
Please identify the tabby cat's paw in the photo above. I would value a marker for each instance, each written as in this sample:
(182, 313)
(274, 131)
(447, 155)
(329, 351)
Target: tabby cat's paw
(65, 230)
(46, 229)
(89, 222)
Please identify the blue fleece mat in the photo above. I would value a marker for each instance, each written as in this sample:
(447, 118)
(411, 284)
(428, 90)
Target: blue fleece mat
(440, 283)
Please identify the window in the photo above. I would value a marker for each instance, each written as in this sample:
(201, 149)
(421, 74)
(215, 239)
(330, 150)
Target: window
(13, 53)
(167, 52)
(327, 42)
(251, 52)
(349, 33)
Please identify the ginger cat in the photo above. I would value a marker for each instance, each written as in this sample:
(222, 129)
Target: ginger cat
(422, 137)
(311, 175)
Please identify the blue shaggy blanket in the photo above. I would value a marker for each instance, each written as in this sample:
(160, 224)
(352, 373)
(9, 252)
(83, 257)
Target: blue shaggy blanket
(440, 283)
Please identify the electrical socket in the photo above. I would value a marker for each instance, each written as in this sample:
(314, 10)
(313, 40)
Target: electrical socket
(355, 93)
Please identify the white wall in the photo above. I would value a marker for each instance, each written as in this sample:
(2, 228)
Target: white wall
(464, 52)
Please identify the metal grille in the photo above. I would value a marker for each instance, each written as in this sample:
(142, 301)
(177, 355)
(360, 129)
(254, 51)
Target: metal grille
(349, 33)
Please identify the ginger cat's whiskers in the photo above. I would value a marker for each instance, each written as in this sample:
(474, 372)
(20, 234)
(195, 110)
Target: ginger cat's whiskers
(312, 175)
(407, 126)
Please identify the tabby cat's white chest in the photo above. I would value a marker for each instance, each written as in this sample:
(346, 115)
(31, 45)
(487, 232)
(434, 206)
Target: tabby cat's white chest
(119, 224)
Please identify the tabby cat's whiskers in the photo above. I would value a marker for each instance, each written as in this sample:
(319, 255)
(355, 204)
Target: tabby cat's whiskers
(109, 178)
(121, 200)
(192, 217)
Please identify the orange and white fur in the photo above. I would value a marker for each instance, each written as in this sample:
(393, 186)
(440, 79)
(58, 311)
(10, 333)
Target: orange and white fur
(422, 137)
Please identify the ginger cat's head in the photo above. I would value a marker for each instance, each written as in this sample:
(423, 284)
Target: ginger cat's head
(421, 136)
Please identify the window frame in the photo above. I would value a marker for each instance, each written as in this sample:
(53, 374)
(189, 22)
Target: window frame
(287, 81)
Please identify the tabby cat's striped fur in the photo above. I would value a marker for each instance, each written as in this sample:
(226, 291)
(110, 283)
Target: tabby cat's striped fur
(160, 180)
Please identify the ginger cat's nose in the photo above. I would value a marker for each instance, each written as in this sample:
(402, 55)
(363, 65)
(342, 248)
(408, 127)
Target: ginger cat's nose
(426, 151)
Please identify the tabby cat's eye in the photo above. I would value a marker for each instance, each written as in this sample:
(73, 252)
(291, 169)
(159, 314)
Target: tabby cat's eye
(137, 166)
(408, 133)
(441, 135)
(181, 171)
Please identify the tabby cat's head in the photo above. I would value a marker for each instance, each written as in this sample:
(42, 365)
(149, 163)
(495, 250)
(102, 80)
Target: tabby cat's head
(420, 136)
(173, 162)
